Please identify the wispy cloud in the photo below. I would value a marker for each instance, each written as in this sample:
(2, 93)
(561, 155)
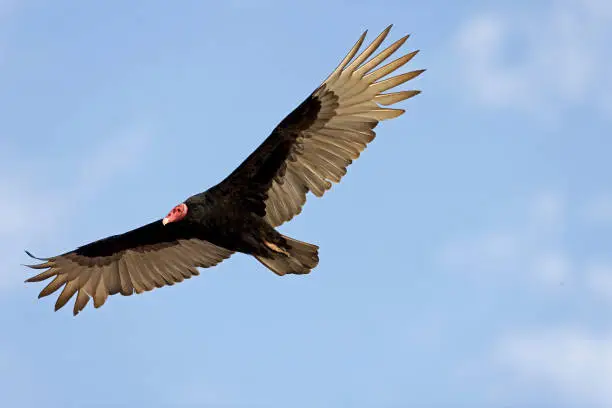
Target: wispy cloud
(33, 210)
(111, 157)
(541, 61)
(599, 278)
(531, 246)
(599, 209)
(572, 362)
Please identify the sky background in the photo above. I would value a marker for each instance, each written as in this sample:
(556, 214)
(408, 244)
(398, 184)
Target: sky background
(466, 258)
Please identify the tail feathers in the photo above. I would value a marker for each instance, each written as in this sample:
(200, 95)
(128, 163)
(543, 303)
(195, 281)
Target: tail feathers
(303, 257)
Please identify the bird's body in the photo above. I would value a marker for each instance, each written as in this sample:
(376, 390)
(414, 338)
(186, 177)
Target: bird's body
(228, 223)
(307, 151)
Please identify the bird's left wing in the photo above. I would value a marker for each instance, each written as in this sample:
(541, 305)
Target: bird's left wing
(140, 260)
(314, 144)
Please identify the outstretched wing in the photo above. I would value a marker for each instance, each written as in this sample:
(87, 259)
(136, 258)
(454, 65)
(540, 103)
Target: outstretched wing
(140, 260)
(313, 146)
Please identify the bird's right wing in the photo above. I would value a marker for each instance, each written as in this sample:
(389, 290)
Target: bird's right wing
(140, 260)
(313, 146)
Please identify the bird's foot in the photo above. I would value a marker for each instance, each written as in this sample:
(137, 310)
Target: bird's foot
(276, 248)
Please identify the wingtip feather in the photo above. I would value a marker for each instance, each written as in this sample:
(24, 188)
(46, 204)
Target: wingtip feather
(369, 50)
(394, 97)
(34, 257)
(41, 276)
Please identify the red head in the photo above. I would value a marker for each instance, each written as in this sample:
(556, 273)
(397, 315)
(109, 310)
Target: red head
(176, 214)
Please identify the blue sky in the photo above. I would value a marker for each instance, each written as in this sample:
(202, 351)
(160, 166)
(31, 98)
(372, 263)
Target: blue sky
(465, 258)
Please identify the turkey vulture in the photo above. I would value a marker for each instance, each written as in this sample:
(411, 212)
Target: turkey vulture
(307, 151)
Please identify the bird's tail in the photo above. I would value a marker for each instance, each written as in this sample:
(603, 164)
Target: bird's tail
(295, 257)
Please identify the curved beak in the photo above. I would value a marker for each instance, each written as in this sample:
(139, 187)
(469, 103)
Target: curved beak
(165, 221)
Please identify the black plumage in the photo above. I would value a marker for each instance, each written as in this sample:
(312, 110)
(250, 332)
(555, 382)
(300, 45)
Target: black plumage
(309, 150)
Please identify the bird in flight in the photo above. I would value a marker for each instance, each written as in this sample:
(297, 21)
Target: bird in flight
(308, 150)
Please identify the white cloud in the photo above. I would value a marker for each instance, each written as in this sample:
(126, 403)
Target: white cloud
(29, 211)
(572, 365)
(540, 61)
(548, 209)
(571, 362)
(488, 251)
(111, 158)
(530, 247)
(18, 206)
(599, 279)
(599, 209)
(32, 211)
(552, 268)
